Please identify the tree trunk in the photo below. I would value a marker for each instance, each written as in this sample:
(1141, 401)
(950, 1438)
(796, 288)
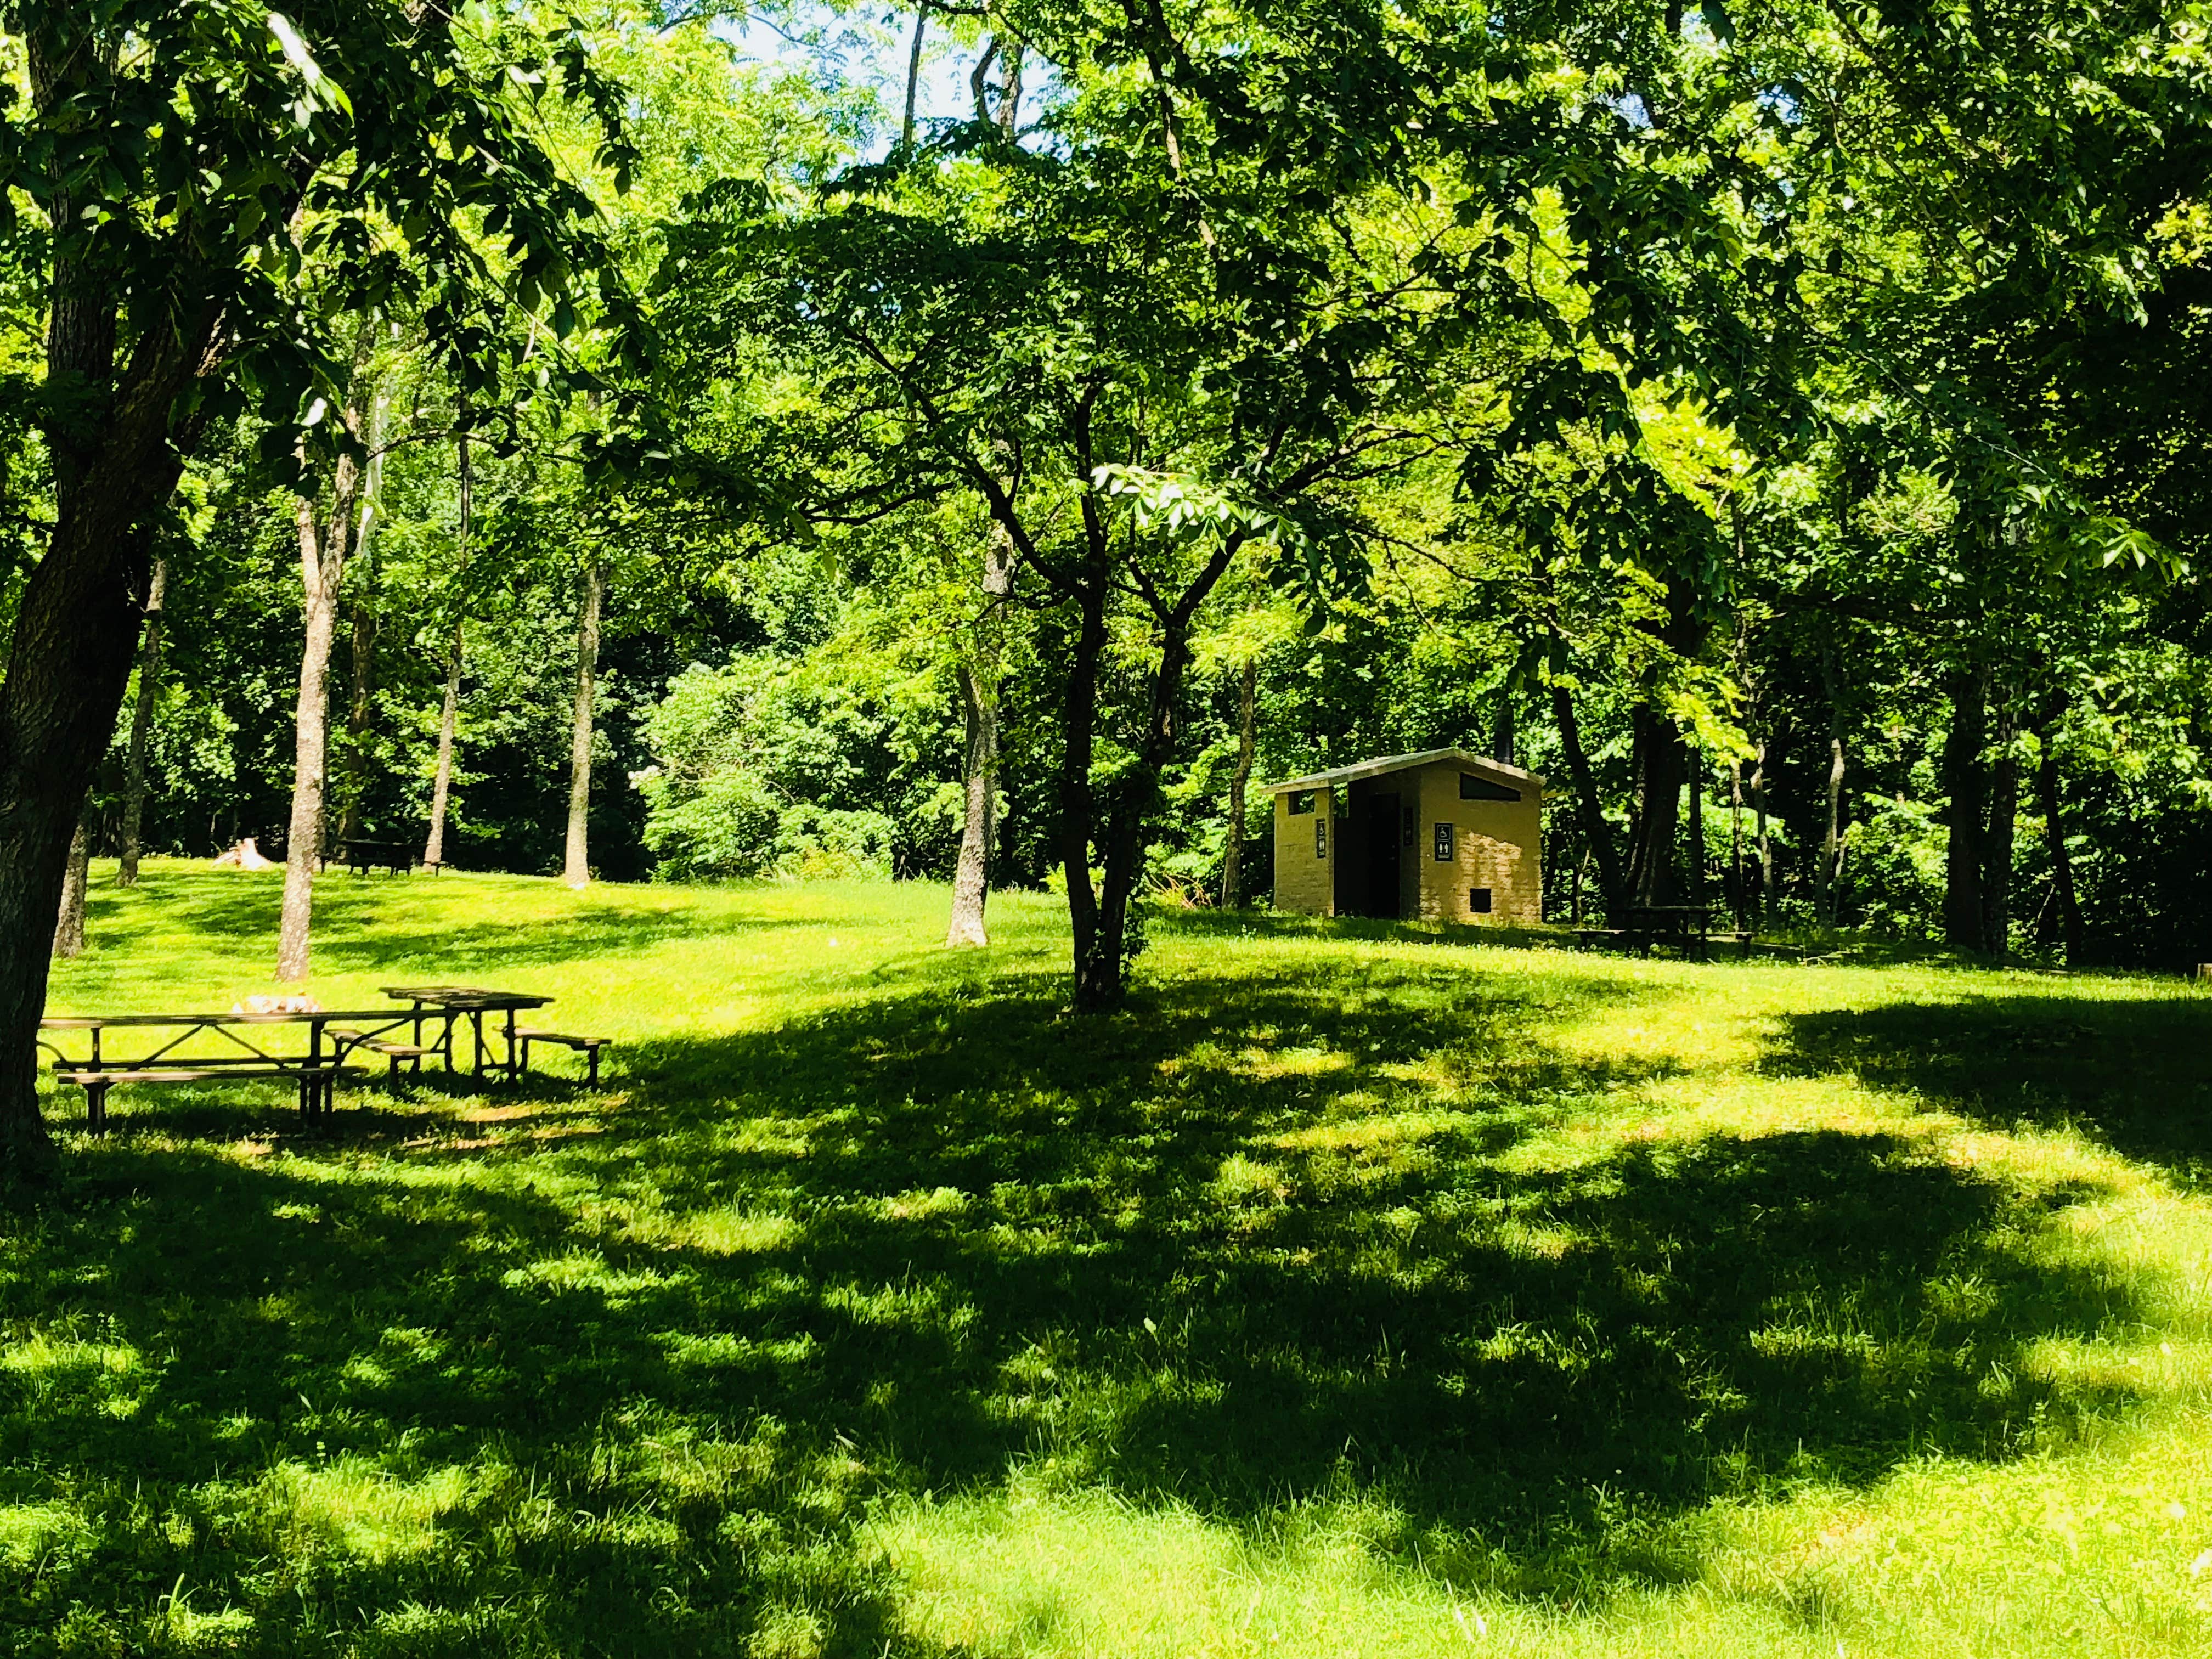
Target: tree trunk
(1240, 780)
(1966, 779)
(1762, 840)
(912, 75)
(1654, 837)
(77, 623)
(1502, 735)
(1997, 847)
(979, 679)
(363, 664)
(1735, 841)
(69, 929)
(1694, 854)
(2062, 862)
(576, 865)
(1832, 835)
(1097, 962)
(979, 772)
(1589, 811)
(142, 727)
(322, 568)
(433, 849)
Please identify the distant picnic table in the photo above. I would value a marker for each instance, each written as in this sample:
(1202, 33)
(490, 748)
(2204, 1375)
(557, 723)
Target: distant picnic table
(242, 1050)
(361, 854)
(1688, 927)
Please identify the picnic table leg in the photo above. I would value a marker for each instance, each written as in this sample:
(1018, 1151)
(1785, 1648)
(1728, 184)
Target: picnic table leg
(95, 1105)
(513, 1069)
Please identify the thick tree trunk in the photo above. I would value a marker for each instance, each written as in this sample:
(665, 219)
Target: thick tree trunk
(1966, 779)
(978, 678)
(1655, 835)
(433, 849)
(135, 782)
(2062, 863)
(77, 620)
(1997, 847)
(1502, 735)
(576, 864)
(69, 927)
(1589, 811)
(1240, 782)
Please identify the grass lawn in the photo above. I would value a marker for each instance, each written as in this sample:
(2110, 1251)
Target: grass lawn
(1359, 1291)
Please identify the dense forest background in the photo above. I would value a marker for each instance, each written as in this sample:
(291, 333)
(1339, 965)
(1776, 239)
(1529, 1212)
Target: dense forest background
(1782, 425)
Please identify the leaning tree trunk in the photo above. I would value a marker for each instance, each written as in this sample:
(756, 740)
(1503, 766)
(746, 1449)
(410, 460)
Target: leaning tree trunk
(576, 865)
(77, 622)
(433, 849)
(323, 547)
(69, 927)
(1966, 781)
(142, 728)
(979, 768)
(1240, 783)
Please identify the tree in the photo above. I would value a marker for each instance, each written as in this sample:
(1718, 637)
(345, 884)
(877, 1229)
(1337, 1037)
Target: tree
(183, 161)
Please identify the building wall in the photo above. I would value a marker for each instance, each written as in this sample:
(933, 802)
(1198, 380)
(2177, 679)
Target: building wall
(1495, 844)
(1305, 883)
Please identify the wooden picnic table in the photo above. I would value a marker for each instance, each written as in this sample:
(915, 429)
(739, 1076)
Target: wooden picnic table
(361, 854)
(456, 1002)
(332, 1035)
(1684, 925)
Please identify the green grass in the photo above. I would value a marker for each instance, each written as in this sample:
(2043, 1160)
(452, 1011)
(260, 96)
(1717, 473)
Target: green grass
(1359, 1291)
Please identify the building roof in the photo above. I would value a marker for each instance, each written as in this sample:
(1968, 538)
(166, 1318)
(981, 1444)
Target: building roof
(1376, 768)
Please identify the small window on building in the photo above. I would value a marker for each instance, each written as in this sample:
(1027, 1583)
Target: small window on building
(1412, 826)
(1473, 789)
(1302, 801)
(1444, 846)
(1477, 901)
(1320, 838)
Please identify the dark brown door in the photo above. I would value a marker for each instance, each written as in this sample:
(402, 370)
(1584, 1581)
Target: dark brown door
(1378, 848)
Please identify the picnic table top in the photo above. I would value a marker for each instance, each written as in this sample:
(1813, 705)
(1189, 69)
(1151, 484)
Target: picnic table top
(1672, 910)
(465, 998)
(101, 1022)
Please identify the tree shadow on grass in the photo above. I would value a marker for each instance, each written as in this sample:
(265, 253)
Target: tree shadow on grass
(1257, 1237)
(2135, 1074)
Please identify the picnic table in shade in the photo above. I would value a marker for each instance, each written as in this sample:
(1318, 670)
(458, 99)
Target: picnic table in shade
(241, 1050)
(456, 1003)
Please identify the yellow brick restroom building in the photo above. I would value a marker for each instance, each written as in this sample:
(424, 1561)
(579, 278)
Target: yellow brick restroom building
(1443, 835)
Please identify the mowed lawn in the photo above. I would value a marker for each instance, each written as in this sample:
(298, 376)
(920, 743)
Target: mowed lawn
(1359, 1291)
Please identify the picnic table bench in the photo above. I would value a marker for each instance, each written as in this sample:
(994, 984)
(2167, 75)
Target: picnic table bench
(361, 854)
(333, 1036)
